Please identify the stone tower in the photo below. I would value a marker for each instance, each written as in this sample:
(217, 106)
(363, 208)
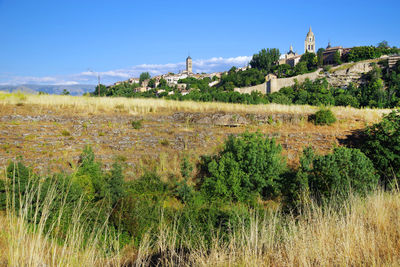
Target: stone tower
(189, 65)
(309, 43)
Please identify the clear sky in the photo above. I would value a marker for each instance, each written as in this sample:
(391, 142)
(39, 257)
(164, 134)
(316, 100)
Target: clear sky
(57, 41)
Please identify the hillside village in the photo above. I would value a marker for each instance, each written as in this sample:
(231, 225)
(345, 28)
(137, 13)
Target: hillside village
(330, 56)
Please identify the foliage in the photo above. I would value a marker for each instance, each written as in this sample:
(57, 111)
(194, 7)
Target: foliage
(144, 76)
(235, 78)
(265, 59)
(343, 172)
(337, 58)
(368, 52)
(64, 92)
(324, 116)
(183, 190)
(310, 92)
(320, 57)
(100, 90)
(137, 124)
(382, 145)
(301, 68)
(249, 165)
(310, 59)
(384, 44)
(344, 99)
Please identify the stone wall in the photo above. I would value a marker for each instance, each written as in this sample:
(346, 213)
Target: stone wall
(278, 84)
(257, 88)
(340, 76)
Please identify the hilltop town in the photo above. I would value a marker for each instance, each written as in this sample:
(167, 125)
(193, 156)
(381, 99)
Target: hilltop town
(340, 66)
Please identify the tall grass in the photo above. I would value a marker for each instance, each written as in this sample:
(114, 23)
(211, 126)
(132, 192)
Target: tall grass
(362, 232)
(99, 105)
(359, 232)
(31, 238)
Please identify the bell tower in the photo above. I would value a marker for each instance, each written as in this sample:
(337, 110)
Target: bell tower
(309, 43)
(189, 68)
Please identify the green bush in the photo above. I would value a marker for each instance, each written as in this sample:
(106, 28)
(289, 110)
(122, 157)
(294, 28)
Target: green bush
(382, 146)
(139, 210)
(324, 116)
(346, 100)
(183, 190)
(337, 174)
(249, 165)
(137, 124)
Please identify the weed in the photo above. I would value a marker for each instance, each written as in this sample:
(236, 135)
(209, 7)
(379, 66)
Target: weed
(164, 142)
(137, 124)
(65, 133)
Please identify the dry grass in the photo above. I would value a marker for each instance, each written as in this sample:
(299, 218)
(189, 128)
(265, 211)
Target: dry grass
(94, 105)
(27, 244)
(365, 232)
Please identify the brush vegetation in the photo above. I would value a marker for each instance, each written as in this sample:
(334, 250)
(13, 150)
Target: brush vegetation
(242, 205)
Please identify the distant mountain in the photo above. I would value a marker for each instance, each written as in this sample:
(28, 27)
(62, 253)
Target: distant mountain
(77, 89)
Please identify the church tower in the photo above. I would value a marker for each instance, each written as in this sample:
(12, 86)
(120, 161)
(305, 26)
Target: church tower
(309, 43)
(189, 65)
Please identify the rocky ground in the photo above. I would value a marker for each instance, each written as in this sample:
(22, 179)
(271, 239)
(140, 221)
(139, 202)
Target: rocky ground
(47, 139)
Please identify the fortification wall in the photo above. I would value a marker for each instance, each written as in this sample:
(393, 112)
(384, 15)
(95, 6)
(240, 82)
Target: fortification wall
(340, 76)
(284, 82)
(257, 88)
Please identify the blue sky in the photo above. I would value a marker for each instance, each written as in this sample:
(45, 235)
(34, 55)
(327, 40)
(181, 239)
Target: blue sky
(57, 41)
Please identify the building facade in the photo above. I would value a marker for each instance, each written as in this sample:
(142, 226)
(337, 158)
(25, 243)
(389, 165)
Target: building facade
(330, 52)
(309, 43)
(291, 58)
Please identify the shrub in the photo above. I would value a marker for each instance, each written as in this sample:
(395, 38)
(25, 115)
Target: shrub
(338, 174)
(346, 100)
(164, 142)
(90, 170)
(183, 190)
(382, 146)
(65, 133)
(19, 174)
(324, 117)
(327, 68)
(140, 209)
(137, 124)
(249, 165)
(3, 197)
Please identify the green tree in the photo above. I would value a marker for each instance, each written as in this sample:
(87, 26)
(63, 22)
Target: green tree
(301, 68)
(144, 76)
(337, 58)
(152, 83)
(163, 83)
(102, 88)
(310, 59)
(320, 57)
(65, 92)
(383, 44)
(265, 59)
